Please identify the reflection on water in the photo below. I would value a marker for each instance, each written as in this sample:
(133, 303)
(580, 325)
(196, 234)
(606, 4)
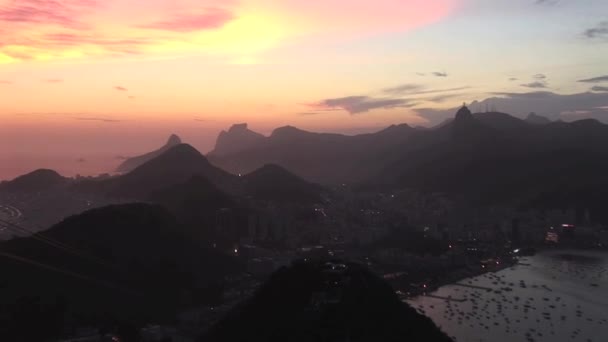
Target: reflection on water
(555, 296)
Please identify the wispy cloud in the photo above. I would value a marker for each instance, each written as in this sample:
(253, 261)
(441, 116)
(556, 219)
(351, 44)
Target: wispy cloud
(120, 88)
(547, 2)
(595, 79)
(53, 80)
(513, 78)
(417, 89)
(361, 104)
(97, 119)
(536, 84)
(308, 113)
(115, 45)
(545, 103)
(407, 95)
(540, 76)
(599, 88)
(598, 31)
(440, 74)
(5, 82)
(74, 116)
(210, 18)
(403, 89)
(443, 97)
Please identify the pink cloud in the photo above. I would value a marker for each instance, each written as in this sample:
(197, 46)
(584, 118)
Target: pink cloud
(119, 88)
(59, 28)
(54, 12)
(210, 18)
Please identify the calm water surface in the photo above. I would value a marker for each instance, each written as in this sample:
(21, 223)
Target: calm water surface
(556, 296)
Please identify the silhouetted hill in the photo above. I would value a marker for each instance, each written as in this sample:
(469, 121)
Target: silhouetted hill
(197, 203)
(134, 162)
(35, 181)
(466, 127)
(196, 193)
(125, 261)
(324, 301)
(236, 139)
(274, 183)
(176, 165)
(319, 157)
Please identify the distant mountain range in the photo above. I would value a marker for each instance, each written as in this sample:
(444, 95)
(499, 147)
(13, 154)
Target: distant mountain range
(134, 162)
(334, 158)
(498, 159)
(183, 169)
(488, 157)
(491, 158)
(317, 157)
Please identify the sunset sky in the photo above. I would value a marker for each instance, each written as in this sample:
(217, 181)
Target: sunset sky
(92, 80)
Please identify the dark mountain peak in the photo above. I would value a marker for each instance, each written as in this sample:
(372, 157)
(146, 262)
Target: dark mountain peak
(192, 197)
(37, 180)
(44, 173)
(470, 129)
(185, 151)
(324, 300)
(272, 182)
(241, 127)
(134, 162)
(270, 170)
(176, 165)
(287, 131)
(464, 114)
(173, 140)
(397, 128)
(238, 138)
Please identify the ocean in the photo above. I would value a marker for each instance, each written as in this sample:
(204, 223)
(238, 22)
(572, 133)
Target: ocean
(555, 296)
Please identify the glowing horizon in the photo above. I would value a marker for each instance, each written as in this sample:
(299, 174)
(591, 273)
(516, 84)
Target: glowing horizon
(196, 67)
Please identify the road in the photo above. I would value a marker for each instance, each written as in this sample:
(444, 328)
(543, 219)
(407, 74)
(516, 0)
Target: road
(9, 213)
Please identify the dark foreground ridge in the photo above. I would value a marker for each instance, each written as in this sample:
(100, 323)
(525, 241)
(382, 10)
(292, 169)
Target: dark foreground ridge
(325, 301)
(38, 180)
(124, 262)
